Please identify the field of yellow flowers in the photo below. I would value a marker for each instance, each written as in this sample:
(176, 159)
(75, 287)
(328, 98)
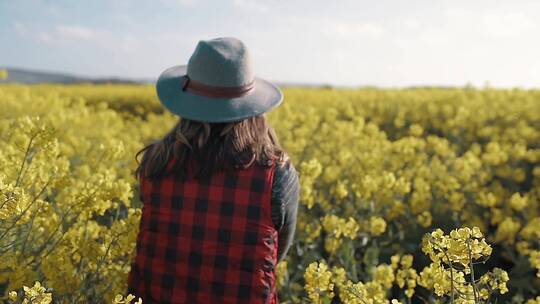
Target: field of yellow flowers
(407, 195)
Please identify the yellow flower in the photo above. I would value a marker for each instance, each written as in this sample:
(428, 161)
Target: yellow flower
(487, 199)
(384, 275)
(318, 282)
(534, 259)
(377, 225)
(518, 202)
(507, 230)
(416, 130)
(332, 244)
(36, 294)
(337, 227)
(119, 299)
(13, 295)
(534, 301)
(424, 219)
(341, 190)
(281, 273)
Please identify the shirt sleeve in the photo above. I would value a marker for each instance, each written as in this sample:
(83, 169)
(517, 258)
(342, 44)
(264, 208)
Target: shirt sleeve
(285, 197)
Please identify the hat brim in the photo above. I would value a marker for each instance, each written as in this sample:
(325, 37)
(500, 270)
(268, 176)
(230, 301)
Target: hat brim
(262, 98)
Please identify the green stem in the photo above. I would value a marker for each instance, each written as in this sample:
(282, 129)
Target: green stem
(472, 271)
(24, 159)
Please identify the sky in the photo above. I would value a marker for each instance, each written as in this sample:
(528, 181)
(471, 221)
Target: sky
(343, 43)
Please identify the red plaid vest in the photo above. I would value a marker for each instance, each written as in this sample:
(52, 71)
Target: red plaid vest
(206, 241)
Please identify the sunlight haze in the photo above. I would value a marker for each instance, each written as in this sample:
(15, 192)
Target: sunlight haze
(344, 43)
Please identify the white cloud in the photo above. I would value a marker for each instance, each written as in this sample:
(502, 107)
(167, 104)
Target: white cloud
(125, 19)
(78, 32)
(434, 37)
(352, 29)
(334, 27)
(186, 3)
(506, 24)
(40, 36)
(64, 35)
(411, 23)
(44, 37)
(20, 29)
(492, 23)
(251, 5)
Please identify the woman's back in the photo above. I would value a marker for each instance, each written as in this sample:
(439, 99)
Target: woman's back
(208, 240)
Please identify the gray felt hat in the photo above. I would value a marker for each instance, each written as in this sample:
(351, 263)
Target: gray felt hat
(217, 84)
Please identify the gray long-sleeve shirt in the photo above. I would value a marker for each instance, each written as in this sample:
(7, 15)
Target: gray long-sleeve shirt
(285, 196)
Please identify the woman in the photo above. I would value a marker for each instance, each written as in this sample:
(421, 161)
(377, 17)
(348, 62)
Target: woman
(219, 194)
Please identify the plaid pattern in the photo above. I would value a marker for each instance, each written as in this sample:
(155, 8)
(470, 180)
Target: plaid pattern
(207, 241)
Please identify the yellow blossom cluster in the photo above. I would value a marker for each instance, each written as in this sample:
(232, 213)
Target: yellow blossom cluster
(335, 228)
(35, 294)
(318, 282)
(453, 258)
(377, 225)
(461, 246)
(68, 213)
(534, 301)
(406, 276)
(323, 284)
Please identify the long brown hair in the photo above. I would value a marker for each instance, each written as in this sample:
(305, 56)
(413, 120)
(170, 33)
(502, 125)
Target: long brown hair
(214, 146)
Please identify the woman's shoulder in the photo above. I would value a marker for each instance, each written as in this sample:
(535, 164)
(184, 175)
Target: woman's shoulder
(285, 176)
(284, 166)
